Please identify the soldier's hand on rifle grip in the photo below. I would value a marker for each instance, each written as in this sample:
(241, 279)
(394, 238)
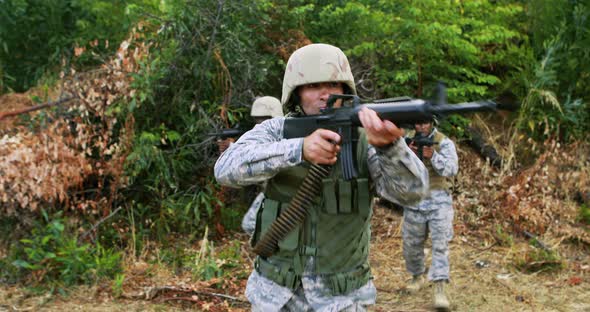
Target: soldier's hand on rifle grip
(321, 147)
(413, 147)
(379, 132)
(427, 152)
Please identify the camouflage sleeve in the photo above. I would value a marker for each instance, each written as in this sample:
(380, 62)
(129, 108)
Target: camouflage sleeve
(445, 162)
(398, 174)
(258, 155)
(249, 220)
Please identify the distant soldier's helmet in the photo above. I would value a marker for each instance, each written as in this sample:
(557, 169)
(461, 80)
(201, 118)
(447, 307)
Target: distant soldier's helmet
(266, 106)
(315, 63)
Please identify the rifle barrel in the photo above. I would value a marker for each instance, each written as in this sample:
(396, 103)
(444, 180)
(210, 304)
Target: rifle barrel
(415, 110)
(402, 112)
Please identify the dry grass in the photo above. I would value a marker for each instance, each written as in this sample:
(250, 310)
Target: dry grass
(494, 285)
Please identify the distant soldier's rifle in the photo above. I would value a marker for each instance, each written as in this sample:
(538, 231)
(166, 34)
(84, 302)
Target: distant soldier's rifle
(420, 141)
(227, 133)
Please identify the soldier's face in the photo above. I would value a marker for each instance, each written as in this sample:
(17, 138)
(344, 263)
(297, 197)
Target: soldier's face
(423, 127)
(314, 96)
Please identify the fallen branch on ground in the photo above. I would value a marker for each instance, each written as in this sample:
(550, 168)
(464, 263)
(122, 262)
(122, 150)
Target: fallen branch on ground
(153, 292)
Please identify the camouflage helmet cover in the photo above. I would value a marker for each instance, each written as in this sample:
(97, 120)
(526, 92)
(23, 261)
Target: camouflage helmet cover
(316, 63)
(266, 106)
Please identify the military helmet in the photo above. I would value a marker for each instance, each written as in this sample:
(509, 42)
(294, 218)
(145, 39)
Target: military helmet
(315, 63)
(266, 106)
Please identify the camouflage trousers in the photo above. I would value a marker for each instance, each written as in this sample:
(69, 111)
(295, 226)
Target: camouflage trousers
(312, 295)
(416, 226)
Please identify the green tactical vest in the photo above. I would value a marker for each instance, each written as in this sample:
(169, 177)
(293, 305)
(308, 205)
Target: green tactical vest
(336, 230)
(437, 182)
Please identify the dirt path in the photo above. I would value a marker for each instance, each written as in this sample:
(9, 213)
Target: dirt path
(482, 280)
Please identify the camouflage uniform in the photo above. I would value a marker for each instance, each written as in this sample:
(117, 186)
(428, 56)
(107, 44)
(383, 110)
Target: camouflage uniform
(260, 153)
(396, 173)
(433, 214)
(249, 220)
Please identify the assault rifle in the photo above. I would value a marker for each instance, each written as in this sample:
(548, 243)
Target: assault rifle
(344, 120)
(420, 141)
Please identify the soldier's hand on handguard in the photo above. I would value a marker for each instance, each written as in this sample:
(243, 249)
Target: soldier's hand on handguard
(427, 152)
(379, 132)
(321, 147)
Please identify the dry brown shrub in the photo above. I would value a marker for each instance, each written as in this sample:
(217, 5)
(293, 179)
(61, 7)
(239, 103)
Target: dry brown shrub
(538, 199)
(76, 161)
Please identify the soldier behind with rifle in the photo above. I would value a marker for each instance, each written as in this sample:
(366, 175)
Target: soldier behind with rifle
(433, 214)
(263, 108)
(322, 264)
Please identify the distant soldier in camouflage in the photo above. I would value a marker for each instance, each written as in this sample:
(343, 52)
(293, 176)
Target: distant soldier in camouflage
(322, 265)
(433, 214)
(264, 108)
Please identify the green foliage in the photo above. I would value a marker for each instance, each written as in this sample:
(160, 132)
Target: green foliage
(36, 35)
(52, 256)
(404, 48)
(556, 104)
(204, 71)
(584, 214)
(455, 126)
(539, 260)
(117, 286)
(503, 237)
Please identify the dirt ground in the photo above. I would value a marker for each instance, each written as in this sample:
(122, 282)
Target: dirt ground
(483, 279)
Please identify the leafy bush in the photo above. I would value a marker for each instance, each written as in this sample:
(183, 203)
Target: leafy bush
(402, 48)
(37, 35)
(556, 103)
(207, 65)
(52, 256)
(455, 126)
(539, 260)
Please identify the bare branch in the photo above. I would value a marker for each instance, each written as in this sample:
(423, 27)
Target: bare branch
(34, 108)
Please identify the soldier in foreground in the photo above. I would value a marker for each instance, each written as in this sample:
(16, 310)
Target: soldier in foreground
(322, 265)
(433, 214)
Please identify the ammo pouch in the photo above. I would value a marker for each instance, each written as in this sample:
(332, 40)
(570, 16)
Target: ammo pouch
(346, 207)
(339, 283)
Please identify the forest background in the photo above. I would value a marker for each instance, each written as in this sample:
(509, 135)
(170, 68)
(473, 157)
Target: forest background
(106, 106)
